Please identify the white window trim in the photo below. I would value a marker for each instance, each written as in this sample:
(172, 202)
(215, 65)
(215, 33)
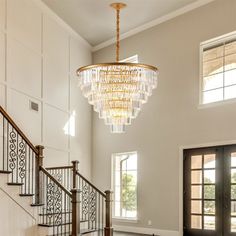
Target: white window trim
(203, 45)
(132, 59)
(123, 219)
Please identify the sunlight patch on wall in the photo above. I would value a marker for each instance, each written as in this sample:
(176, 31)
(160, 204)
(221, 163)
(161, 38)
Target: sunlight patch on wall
(69, 128)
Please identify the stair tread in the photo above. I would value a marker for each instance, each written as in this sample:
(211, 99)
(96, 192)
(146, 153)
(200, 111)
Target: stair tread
(49, 214)
(64, 223)
(15, 184)
(51, 225)
(83, 231)
(37, 204)
(86, 231)
(5, 172)
(26, 194)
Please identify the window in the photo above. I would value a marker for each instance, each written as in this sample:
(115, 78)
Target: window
(124, 168)
(133, 59)
(218, 73)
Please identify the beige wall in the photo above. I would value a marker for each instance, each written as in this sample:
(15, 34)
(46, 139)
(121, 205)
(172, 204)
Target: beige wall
(39, 55)
(171, 118)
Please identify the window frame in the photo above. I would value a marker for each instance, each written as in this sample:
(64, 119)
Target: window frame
(132, 59)
(208, 44)
(120, 218)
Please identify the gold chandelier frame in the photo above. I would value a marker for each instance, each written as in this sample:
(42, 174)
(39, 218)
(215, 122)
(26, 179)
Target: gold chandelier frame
(144, 66)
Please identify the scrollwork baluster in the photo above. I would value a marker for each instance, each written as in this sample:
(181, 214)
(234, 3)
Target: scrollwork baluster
(85, 201)
(22, 159)
(92, 208)
(12, 151)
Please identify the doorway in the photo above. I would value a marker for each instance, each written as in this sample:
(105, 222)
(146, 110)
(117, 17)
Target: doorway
(210, 191)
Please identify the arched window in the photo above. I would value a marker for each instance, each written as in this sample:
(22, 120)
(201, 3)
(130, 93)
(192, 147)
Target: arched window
(219, 71)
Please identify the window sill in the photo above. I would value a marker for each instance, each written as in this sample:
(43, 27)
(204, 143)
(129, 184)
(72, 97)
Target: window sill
(215, 104)
(128, 220)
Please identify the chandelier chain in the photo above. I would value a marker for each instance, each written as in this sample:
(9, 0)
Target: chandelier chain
(117, 35)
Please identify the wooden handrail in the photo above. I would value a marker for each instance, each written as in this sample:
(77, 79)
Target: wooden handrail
(59, 167)
(5, 115)
(92, 185)
(55, 181)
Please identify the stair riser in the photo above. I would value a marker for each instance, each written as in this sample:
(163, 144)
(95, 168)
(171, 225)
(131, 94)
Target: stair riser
(57, 230)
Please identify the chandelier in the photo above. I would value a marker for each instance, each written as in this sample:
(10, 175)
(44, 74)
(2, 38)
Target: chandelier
(117, 90)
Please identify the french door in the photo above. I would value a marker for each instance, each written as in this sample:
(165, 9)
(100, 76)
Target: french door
(210, 191)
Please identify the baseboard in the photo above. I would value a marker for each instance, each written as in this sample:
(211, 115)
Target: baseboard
(149, 231)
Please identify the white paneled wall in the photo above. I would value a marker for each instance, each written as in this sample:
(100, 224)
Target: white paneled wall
(55, 64)
(2, 56)
(18, 106)
(22, 65)
(24, 23)
(2, 14)
(2, 95)
(62, 157)
(39, 55)
(54, 127)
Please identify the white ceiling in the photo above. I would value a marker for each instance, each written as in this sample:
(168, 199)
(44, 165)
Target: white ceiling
(94, 20)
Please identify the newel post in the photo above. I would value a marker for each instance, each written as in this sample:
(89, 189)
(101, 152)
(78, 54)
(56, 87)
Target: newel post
(75, 165)
(38, 182)
(75, 212)
(108, 228)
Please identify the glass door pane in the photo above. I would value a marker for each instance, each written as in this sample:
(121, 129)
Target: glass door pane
(201, 199)
(230, 203)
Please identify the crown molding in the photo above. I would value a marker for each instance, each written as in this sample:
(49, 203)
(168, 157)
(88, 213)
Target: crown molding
(46, 10)
(153, 23)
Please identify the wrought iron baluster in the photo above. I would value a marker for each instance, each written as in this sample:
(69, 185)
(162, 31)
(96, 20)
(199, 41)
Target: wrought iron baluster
(7, 145)
(12, 152)
(21, 160)
(3, 143)
(103, 214)
(26, 171)
(17, 157)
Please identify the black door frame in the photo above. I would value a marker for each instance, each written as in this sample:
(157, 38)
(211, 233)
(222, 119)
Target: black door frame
(223, 209)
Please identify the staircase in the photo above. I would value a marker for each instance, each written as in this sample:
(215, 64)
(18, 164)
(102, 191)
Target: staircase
(62, 200)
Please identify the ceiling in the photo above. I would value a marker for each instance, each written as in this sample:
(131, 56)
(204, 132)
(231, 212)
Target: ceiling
(94, 20)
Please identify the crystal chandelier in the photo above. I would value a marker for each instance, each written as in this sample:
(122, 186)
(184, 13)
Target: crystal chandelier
(117, 90)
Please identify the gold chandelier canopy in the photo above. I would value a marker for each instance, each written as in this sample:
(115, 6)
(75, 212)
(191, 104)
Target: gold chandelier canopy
(117, 90)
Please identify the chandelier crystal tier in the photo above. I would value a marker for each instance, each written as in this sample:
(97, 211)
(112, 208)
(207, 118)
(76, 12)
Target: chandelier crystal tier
(117, 90)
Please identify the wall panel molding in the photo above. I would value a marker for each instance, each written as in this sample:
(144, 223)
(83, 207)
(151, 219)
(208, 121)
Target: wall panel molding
(35, 65)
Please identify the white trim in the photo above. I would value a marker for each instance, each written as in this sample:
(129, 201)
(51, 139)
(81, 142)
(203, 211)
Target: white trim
(142, 230)
(216, 104)
(200, 98)
(45, 9)
(126, 220)
(181, 158)
(132, 59)
(212, 42)
(113, 156)
(153, 23)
